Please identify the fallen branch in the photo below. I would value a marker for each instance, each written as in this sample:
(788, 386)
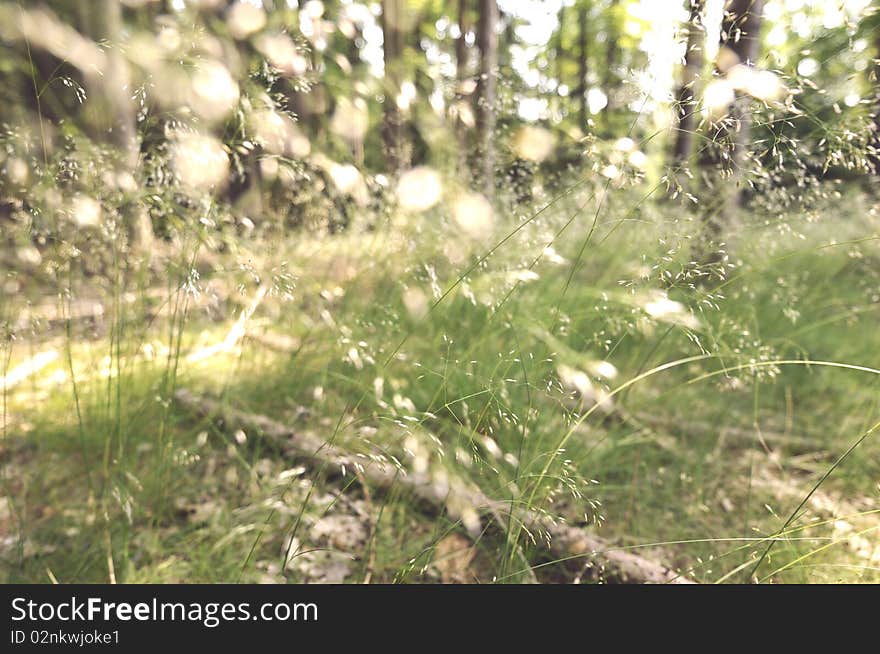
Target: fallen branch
(274, 341)
(563, 542)
(40, 28)
(158, 302)
(236, 333)
(738, 435)
(30, 367)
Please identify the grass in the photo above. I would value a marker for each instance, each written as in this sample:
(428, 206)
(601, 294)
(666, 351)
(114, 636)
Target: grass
(710, 443)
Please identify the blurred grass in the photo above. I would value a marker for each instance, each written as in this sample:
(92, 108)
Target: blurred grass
(697, 474)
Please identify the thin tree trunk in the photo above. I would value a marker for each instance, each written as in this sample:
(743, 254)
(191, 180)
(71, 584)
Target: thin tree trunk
(461, 54)
(487, 41)
(461, 66)
(741, 29)
(612, 57)
(583, 64)
(102, 20)
(559, 56)
(876, 154)
(392, 49)
(693, 66)
(740, 33)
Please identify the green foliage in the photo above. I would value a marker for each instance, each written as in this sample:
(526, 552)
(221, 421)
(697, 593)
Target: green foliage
(214, 209)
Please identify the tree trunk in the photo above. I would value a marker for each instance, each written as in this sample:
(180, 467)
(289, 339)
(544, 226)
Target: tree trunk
(461, 67)
(102, 21)
(612, 57)
(557, 44)
(740, 34)
(583, 65)
(693, 66)
(487, 41)
(876, 154)
(559, 48)
(741, 29)
(461, 54)
(392, 49)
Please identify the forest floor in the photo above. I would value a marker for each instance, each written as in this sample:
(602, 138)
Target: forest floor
(586, 370)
